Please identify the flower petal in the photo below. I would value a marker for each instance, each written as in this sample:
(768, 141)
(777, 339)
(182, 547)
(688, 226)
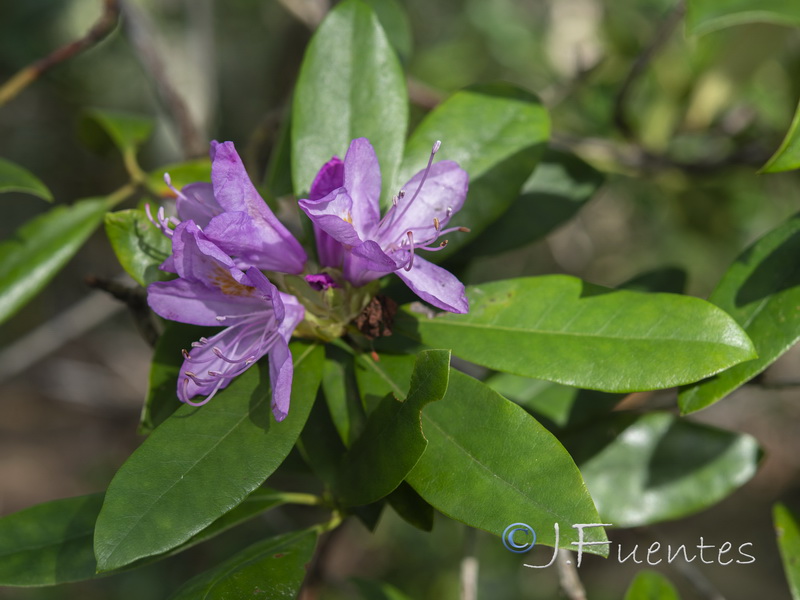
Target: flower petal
(196, 303)
(330, 177)
(196, 202)
(442, 195)
(234, 192)
(194, 256)
(435, 285)
(367, 262)
(281, 369)
(362, 180)
(333, 215)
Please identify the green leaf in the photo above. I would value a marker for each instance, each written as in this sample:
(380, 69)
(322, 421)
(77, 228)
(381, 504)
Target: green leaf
(392, 441)
(272, 569)
(49, 543)
(162, 396)
(41, 247)
(350, 85)
(666, 279)
(160, 497)
(787, 156)
(127, 131)
(394, 20)
(654, 467)
(564, 406)
(14, 178)
(651, 585)
(411, 507)
(496, 133)
(761, 291)
(139, 245)
(478, 466)
(341, 394)
(788, 532)
(557, 189)
(703, 16)
(181, 174)
(564, 330)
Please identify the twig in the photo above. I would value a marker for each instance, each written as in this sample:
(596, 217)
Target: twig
(138, 28)
(469, 567)
(104, 26)
(642, 61)
(568, 576)
(135, 299)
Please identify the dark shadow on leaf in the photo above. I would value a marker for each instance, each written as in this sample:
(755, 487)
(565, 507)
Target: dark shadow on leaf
(665, 279)
(589, 440)
(778, 272)
(683, 450)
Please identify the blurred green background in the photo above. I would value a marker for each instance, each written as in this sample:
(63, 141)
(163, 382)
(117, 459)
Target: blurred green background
(681, 190)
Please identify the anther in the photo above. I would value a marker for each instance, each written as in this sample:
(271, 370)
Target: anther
(436, 225)
(443, 244)
(464, 229)
(185, 354)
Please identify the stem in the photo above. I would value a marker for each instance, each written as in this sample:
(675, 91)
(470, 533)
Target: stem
(299, 498)
(568, 576)
(469, 567)
(22, 79)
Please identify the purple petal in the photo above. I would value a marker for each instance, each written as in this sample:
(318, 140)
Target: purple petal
(281, 369)
(195, 257)
(196, 202)
(435, 285)
(320, 281)
(367, 262)
(213, 363)
(362, 180)
(333, 214)
(238, 234)
(442, 195)
(330, 177)
(235, 192)
(196, 303)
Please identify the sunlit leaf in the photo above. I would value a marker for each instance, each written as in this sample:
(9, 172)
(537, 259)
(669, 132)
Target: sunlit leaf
(787, 156)
(350, 85)
(160, 497)
(564, 330)
(41, 247)
(139, 245)
(127, 131)
(761, 290)
(654, 467)
(14, 178)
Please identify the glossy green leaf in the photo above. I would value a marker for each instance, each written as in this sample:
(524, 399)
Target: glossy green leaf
(392, 441)
(564, 406)
(127, 131)
(654, 467)
(394, 20)
(160, 497)
(180, 174)
(14, 178)
(162, 395)
(341, 394)
(49, 543)
(350, 85)
(651, 585)
(761, 290)
(30, 259)
(787, 156)
(273, 569)
(788, 533)
(499, 147)
(139, 245)
(556, 190)
(489, 463)
(564, 330)
(703, 16)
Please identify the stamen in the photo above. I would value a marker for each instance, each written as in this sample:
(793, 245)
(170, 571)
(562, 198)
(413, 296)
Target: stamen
(159, 221)
(464, 229)
(436, 224)
(185, 354)
(218, 352)
(410, 258)
(435, 149)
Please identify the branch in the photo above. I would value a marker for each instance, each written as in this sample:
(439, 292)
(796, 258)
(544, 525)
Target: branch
(568, 576)
(135, 298)
(641, 63)
(104, 26)
(139, 30)
(469, 567)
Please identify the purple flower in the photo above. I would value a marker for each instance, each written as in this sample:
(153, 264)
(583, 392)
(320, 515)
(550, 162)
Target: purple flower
(211, 290)
(344, 205)
(233, 215)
